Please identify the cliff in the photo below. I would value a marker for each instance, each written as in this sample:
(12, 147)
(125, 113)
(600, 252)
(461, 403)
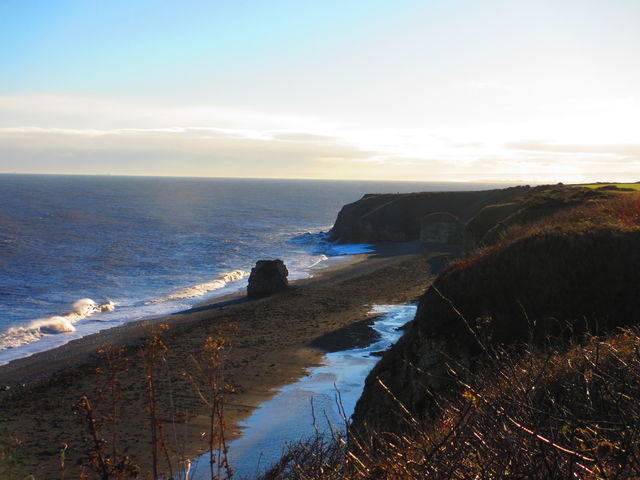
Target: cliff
(555, 267)
(397, 217)
(523, 360)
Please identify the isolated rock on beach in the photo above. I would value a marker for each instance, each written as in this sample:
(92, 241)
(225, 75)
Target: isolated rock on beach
(267, 277)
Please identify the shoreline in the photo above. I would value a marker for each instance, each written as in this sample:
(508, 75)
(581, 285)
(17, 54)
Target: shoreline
(23, 369)
(209, 298)
(52, 341)
(272, 345)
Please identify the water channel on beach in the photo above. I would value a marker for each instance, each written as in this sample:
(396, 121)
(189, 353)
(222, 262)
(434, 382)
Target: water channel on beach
(287, 418)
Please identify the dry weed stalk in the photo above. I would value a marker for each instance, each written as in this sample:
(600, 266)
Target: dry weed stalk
(533, 413)
(152, 353)
(103, 457)
(207, 378)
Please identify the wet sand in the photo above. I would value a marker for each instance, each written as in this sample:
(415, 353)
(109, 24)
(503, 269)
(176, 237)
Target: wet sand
(270, 343)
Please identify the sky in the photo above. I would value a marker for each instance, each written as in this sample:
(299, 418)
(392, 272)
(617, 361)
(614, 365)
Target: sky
(430, 90)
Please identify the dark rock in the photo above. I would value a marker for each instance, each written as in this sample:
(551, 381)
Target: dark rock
(356, 335)
(267, 277)
(549, 286)
(378, 353)
(440, 228)
(396, 217)
(486, 219)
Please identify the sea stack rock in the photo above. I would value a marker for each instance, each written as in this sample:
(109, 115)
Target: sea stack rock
(267, 277)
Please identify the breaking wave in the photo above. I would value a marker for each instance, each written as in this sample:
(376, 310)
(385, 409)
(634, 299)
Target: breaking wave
(203, 288)
(81, 309)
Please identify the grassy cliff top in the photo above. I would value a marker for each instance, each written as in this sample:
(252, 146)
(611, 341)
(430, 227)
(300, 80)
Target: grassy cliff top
(522, 361)
(622, 186)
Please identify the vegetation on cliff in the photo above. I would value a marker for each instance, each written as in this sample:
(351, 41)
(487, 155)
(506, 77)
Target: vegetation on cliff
(540, 413)
(523, 360)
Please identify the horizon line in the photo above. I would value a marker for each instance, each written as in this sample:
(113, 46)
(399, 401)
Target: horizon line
(513, 181)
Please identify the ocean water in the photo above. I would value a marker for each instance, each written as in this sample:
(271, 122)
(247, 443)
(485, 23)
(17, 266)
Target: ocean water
(79, 253)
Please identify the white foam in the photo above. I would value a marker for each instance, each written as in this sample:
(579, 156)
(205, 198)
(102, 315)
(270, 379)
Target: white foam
(203, 288)
(323, 258)
(83, 308)
(52, 325)
(108, 307)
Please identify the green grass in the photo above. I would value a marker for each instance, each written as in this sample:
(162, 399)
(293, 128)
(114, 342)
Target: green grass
(632, 186)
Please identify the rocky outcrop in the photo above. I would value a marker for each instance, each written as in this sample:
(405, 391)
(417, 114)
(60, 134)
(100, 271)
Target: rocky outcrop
(267, 277)
(540, 287)
(396, 217)
(476, 229)
(440, 228)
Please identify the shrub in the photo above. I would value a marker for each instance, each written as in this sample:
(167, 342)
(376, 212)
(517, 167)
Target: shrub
(536, 414)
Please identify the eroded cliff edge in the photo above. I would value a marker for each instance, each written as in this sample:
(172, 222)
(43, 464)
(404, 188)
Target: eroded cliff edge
(396, 217)
(556, 262)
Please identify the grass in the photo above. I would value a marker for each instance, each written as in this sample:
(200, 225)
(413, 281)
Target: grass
(561, 409)
(523, 406)
(619, 212)
(541, 204)
(99, 449)
(570, 412)
(547, 409)
(624, 186)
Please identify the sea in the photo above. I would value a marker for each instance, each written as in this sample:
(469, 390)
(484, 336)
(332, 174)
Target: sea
(79, 254)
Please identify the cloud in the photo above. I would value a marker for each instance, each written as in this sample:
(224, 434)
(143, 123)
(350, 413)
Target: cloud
(81, 111)
(468, 145)
(629, 150)
(489, 85)
(305, 137)
(73, 134)
(171, 151)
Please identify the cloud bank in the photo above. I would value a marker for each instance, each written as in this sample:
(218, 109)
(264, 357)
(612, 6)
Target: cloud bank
(82, 135)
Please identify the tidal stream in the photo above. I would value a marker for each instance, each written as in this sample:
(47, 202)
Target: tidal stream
(324, 394)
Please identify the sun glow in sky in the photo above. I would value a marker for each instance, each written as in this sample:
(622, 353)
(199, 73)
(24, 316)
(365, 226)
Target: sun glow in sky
(434, 90)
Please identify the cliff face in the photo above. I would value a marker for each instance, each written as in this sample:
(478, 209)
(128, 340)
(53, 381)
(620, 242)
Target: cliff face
(440, 228)
(549, 285)
(396, 217)
(559, 264)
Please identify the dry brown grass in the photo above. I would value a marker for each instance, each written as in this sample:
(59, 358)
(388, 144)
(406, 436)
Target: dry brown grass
(535, 415)
(619, 212)
(104, 456)
(567, 408)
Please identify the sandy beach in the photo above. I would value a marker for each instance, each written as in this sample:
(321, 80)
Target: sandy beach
(271, 342)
